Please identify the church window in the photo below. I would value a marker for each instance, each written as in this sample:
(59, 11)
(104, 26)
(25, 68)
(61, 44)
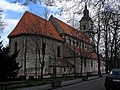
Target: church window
(43, 48)
(77, 43)
(85, 62)
(58, 51)
(64, 69)
(83, 45)
(84, 26)
(54, 71)
(15, 47)
(69, 41)
(91, 63)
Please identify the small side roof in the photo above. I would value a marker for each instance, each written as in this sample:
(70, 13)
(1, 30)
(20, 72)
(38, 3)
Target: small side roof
(85, 53)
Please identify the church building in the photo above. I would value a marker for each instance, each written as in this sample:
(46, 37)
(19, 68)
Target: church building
(54, 47)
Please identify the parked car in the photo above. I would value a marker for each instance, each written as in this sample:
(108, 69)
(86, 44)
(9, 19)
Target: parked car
(112, 81)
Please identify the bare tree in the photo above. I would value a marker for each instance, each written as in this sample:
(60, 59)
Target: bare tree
(110, 26)
(98, 41)
(115, 31)
(53, 53)
(37, 31)
(103, 31)
(97, 38)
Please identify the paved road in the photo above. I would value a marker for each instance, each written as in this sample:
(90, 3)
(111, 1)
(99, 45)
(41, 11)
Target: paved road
(97, 84)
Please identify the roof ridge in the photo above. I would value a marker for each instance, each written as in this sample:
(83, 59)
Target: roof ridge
(33, 24)
(18, 23)
(67, 24)
(28, 13)
(64, 23)
(25, 15)
(68, 29)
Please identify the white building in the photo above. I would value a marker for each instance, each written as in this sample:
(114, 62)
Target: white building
(63, 49)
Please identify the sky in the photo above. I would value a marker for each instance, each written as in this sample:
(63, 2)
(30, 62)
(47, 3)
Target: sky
(13, 13)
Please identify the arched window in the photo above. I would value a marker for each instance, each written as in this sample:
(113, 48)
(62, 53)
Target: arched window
(84, 27)
(15, 47)
(58, 51)
(83, 45)
(73, 42)
(77, 43)
(64, 69)
(80, 44)
(91, 63)
(43, 48)
(85, 62)
(69, 41)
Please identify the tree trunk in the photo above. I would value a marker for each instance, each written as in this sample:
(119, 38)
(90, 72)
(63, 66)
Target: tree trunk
(42, 68)
(81, 67)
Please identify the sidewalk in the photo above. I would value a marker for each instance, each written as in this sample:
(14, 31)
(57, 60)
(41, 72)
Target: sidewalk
(64, 83)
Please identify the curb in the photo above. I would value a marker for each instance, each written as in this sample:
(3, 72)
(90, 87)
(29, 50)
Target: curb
(64, 83)
(79, 81)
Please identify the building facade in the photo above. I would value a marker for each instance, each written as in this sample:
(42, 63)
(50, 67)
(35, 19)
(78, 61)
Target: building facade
(55, 46)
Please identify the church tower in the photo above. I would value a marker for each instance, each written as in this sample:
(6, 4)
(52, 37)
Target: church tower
(86, 23)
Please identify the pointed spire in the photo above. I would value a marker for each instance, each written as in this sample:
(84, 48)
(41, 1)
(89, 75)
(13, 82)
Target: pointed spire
(86, 12)
(85, 6)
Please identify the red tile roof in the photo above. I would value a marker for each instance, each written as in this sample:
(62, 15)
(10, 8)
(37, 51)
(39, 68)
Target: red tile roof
(73, 32)
(84, 52)
(62, 63)
(33, 24)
